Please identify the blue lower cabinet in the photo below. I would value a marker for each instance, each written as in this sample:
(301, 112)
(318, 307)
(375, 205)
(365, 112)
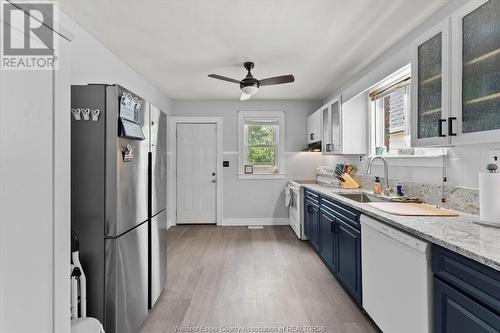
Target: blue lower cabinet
(333, 231)
(326, 223)
(454, 312)
(307, 221)
(466, 294)
(348, 258)
(311, 222)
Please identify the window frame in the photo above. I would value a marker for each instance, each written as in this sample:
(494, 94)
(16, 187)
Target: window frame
(381, 89)
(418, 151)
(276, 118)
(378, 101)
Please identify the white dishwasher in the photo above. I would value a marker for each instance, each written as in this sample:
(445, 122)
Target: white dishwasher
(396, 278)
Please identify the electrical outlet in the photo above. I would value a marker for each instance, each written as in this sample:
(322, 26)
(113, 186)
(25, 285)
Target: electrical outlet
(494, 156)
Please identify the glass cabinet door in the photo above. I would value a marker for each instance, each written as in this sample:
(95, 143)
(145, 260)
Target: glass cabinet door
(327, 134)
(336, 127)
(481, 68)
(430, 84)
(430, 92)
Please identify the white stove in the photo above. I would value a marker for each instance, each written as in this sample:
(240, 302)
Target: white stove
(325, 176)
(295, 216)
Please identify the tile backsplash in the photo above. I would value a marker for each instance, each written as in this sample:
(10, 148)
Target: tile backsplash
(458, 198)
(423, 179)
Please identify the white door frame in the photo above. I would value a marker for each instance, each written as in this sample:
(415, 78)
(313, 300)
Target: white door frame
(218, 121)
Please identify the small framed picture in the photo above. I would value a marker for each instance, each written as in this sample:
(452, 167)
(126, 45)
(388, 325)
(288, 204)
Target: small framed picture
(248, 169)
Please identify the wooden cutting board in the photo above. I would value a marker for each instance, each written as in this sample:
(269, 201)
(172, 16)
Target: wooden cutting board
(411, 209)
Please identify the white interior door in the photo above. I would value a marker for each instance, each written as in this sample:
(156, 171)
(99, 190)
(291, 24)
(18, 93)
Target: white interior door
(196, 173)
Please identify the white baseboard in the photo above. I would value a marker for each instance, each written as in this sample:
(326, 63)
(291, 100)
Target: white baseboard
(170, 223)
(254, 221)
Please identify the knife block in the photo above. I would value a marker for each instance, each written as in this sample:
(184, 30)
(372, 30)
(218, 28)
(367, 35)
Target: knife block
(349, 182)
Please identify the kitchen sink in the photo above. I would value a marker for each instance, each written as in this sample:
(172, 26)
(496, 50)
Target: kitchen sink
(361, 197)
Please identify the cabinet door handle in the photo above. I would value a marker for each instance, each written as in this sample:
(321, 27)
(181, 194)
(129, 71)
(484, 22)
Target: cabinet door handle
(331, 226)
(312, 136)
(334, 226)
(328, 147)
(440, 127)
(450, 126)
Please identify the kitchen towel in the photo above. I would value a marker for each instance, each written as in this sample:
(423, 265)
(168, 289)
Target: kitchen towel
(288, 196)
(489, 198)
(86, 325)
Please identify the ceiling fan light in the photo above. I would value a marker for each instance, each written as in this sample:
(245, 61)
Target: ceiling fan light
(250, 90)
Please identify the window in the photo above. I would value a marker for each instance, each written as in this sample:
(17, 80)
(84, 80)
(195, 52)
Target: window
(260, 146)
(391, 109)
(261, 143)
(389, 114)
(390, 118)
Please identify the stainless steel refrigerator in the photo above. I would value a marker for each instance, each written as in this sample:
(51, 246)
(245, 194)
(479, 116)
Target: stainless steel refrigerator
(157, 204)
(109, 201)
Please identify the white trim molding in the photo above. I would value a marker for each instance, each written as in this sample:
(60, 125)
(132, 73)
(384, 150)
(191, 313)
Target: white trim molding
(173, 139)
(243, 176)
(255, 221)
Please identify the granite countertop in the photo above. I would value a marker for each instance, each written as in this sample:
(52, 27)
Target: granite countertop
(459, 234)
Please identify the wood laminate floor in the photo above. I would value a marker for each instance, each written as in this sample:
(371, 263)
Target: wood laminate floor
(225, 278)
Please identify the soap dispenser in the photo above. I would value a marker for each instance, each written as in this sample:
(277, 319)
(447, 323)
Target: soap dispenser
(378, 186)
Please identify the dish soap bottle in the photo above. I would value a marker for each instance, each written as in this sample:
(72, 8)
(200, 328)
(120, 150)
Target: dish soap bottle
(399, 189)
(378, 187)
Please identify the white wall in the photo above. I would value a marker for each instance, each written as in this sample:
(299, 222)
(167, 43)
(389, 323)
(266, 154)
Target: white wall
(257, 199)
(92, 62)
(464, 162)
(34, 198)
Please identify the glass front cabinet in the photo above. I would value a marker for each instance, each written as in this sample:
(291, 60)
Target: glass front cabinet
(326, 121)
(456, 79)
(331, 121)
(430, 84)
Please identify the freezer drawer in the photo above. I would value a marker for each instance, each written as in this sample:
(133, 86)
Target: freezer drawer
(158, 243)
(126, 281)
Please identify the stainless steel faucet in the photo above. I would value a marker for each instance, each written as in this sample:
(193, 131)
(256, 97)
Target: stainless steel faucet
(386, 172)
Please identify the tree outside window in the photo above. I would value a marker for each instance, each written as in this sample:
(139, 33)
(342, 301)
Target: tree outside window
(261, 146)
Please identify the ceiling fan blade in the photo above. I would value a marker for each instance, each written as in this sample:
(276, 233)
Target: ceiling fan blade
(244, 96)
(276, 80)
(220, 77)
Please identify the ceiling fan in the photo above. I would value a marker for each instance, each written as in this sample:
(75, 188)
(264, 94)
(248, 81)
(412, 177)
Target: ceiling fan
(250, 85)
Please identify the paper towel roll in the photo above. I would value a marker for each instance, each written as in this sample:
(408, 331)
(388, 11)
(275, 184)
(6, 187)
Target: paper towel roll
(489, 197)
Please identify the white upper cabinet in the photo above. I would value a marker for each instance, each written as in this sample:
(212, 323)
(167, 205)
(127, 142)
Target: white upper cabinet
(354, 115)
(344, 126)
(476, 72)
(314, 127)
(431, 87)
(456, 79)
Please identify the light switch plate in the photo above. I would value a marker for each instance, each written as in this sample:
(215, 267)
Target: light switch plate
(494, 156)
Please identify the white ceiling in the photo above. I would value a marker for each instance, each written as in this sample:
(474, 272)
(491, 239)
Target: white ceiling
(175, 44)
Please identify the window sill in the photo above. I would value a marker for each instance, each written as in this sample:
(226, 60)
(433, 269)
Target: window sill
(400, 157)
(261, 176)
(431, 160)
